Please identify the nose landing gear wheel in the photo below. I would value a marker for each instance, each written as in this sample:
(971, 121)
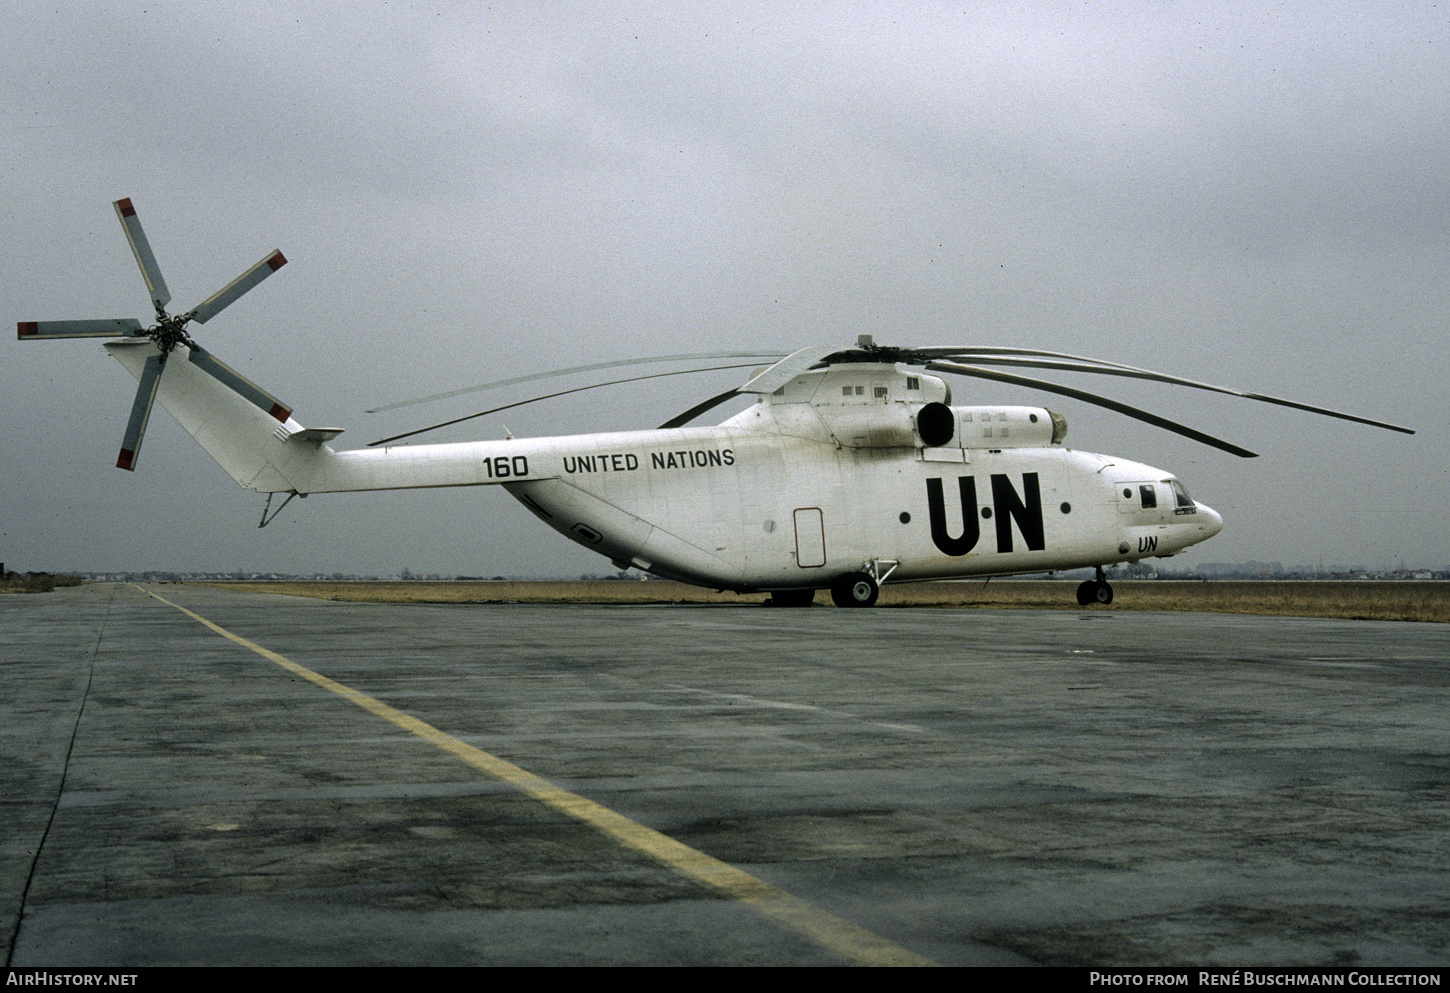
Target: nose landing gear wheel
(855, 589)
(1094, 591)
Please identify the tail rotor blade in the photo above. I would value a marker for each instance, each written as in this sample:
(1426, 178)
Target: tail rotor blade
(140, 413)
(106, 328)
(239, 384)
(229, 293)
(141, 248)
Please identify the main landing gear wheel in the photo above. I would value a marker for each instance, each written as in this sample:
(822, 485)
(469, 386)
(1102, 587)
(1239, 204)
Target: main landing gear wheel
(855, 589)
(1095, 591)
(791, 598)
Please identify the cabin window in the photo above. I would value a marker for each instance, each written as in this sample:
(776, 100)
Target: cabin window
(860, 391)
(913, 383)
(1149, 494)
(845, 391)
(880, 392)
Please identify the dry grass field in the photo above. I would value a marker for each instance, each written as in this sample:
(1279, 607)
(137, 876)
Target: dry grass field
(1386, 601)
(34, 582)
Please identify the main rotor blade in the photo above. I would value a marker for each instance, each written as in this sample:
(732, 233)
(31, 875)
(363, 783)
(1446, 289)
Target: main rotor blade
(229, 293)
(140, 412)
(771, 379)
(104, 328)
(680, 420)
(1077, 363)
(1122, 408)
(649, 360)
(550, 396)
(235, 381)
(141, 248)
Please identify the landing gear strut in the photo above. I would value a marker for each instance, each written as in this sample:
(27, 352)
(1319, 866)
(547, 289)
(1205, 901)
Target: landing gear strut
(1095, 591)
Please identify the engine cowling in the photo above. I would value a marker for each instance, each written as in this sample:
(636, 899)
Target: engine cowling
(935, 425)
(940, 426)
(868, 405)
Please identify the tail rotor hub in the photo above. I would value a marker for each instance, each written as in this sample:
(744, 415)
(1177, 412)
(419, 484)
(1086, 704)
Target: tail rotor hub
(165, 334)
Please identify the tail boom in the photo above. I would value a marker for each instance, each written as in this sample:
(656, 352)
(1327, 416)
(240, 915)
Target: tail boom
(256, 441)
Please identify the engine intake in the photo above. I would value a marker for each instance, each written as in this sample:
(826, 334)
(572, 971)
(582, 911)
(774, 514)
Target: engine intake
(936, 425)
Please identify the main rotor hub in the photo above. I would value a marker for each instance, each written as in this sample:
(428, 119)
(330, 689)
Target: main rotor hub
(867, 350)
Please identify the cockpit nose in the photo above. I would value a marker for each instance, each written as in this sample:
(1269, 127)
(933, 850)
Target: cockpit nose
(1209, 519)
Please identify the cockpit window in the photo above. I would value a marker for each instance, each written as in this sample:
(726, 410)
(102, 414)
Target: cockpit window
(1149, 493)
(1180, 494)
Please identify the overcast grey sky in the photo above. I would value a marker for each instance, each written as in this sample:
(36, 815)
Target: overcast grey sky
(1256, 195)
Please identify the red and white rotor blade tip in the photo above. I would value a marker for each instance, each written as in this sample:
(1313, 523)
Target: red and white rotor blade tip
(140, 413)
(229, 293)
(141, 248)
(105, 328)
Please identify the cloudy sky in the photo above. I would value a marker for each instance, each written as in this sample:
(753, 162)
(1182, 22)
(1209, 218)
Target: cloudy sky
(1256, 195)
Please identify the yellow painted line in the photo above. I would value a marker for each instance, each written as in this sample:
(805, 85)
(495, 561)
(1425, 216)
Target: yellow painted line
(842, 937)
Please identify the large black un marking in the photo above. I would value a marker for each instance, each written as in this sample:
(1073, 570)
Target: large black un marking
(1024, 509)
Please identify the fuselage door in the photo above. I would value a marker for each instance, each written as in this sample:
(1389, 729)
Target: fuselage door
(810, 538)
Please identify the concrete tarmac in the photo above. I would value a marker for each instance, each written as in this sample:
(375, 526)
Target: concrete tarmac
(961, 787)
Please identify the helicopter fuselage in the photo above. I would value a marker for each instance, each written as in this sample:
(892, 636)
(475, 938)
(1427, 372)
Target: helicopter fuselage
(742, 510)
(853, 470)
(857, 469)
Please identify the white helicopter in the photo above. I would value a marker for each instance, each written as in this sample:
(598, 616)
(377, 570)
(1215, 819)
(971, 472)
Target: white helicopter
(851, 469)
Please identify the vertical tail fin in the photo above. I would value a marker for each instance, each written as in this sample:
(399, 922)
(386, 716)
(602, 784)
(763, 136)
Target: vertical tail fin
(242, 426)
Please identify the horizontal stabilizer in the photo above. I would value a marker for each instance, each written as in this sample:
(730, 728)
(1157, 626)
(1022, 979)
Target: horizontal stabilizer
(315, 436)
